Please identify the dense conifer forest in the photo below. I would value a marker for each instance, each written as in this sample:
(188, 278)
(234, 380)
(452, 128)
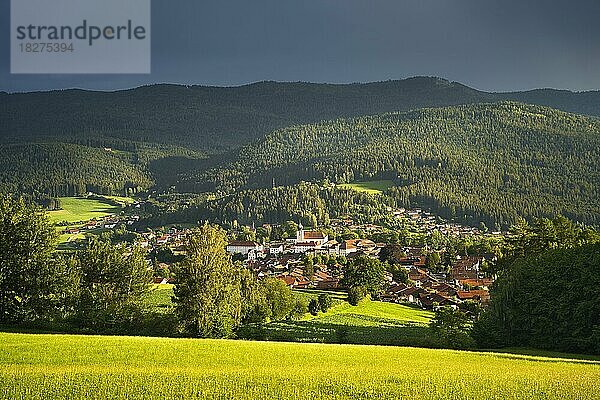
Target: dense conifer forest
(488, 162)
(480, 161)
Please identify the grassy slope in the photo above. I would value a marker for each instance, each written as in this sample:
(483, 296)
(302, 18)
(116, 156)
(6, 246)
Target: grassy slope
(159, 298)
(96, 367)
(371, 322)
(372, 187)
(369, 313)
(76, 209)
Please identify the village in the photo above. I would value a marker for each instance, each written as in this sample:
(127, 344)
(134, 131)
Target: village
(287, 259)
(313, 260)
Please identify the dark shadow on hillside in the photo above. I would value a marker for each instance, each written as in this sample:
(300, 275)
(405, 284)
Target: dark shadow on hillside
(166, 170)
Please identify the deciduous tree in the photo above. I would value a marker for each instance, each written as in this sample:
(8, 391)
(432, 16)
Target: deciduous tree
(30, 273)
(208, 293)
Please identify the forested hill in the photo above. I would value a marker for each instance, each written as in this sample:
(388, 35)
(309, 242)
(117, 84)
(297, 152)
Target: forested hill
(216, 118)
(480, 160)
(586, 103)
(484, 162)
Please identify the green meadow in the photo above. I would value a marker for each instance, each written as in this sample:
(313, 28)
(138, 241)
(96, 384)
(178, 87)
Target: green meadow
(159, 298)
(78, 209)
(105, 367)
(372, 187)
(371, 322)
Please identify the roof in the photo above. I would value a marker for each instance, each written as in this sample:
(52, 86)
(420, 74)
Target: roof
(471, 294)
(243, 243)
(476, 282)
(429, 299)
(313, 235)
(397, 288)
(365, 243)
(288, 280)
(349, 244)
(416, 274)
(443, 287)
(411, 290)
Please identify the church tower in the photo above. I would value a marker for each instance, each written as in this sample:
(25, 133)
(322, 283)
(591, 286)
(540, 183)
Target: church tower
(300, 233)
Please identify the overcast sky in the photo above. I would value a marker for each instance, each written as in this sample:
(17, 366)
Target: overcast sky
(487, 44)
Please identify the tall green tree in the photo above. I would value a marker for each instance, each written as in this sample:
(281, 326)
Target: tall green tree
(114, 280)
(433, 261)
(364, 272)
(30, 274)
(452, 327)
(255, 307)
(208, 291)
(325, 302)
(280, 298)
(547, 300)
(392, 253)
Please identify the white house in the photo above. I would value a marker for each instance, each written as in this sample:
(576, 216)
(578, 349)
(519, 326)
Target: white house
(309, 240)
(276, 248)
(243, 247)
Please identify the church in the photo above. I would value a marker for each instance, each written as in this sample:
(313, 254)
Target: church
(308, 240)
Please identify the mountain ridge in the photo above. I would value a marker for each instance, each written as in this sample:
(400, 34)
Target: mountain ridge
(267, 81)
(216, 119)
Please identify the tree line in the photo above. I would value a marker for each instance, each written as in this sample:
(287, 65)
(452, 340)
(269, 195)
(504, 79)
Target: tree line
(309, 203)
(546, 292)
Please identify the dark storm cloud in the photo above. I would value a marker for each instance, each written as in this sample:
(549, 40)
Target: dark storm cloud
(491, 45)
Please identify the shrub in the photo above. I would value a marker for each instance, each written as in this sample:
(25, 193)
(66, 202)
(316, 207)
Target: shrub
(356, 294)
(313, 307)
(325, 302)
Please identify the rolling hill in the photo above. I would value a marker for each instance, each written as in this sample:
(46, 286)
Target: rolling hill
(54, 143)
(217, 118)
(485, 162)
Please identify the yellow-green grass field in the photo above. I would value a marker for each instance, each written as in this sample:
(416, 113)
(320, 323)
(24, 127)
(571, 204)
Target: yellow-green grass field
(375, 312)
(103, 367)
(371, 187)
